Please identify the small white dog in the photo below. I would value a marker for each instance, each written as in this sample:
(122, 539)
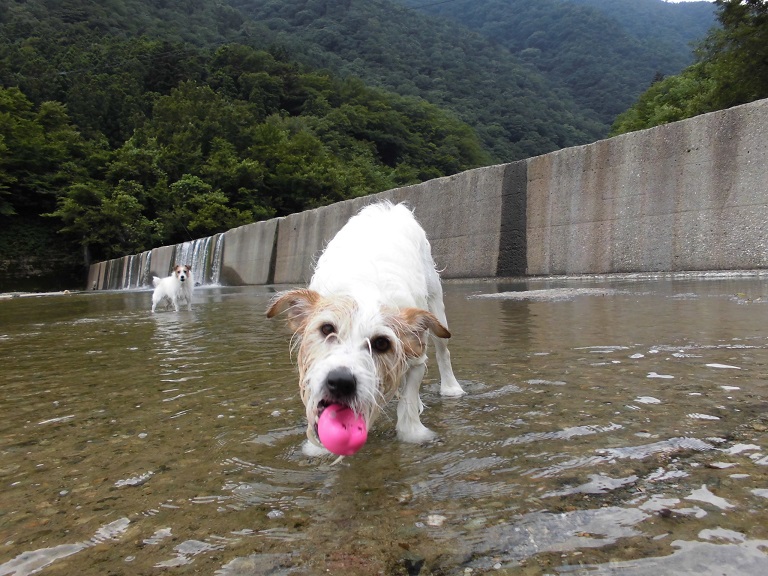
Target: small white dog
(174, 288)
(361, 325)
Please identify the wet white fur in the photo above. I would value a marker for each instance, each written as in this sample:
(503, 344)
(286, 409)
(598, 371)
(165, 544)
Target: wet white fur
(175, 288)
(378, 264)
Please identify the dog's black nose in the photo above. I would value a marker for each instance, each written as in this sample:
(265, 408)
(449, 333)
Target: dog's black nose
(341, 382)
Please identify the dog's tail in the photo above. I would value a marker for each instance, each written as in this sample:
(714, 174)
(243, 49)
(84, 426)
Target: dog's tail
(155, 281)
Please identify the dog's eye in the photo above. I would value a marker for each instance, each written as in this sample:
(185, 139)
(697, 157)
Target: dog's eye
(327, 329)
(381, 344)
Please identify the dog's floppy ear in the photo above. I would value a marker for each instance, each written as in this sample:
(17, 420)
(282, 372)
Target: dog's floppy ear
(297, 303)
(421, 320)
(412, 325)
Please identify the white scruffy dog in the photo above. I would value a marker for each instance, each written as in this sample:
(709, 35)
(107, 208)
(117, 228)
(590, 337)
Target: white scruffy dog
(174, 288)
(361, 325)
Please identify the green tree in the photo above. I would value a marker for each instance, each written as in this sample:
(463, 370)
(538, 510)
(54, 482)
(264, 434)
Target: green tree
(106, 223)
(198, 210)
(7, 180)
(732, 69)
(738, 53)
(39, 148)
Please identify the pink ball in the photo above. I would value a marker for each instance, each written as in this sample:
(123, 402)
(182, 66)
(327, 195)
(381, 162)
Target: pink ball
(341, 431)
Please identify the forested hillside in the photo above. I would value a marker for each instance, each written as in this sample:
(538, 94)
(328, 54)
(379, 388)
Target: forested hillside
(602, 53)
(515, 110)
(672, 26)
(731, 68)
(126, 124)
(111, 143)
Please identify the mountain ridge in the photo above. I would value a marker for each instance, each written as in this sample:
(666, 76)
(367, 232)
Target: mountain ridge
(602, 53)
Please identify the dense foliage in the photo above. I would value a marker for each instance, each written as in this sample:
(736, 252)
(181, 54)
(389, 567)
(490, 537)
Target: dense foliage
(126, 124)
(660, 25)
(515, 110)
(731, 69)
(157, 143)
(602, 53)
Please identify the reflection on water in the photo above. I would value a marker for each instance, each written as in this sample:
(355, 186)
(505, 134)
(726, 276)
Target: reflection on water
(610, 426)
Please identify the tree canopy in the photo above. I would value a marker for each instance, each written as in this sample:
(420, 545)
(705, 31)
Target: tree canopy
(601, 54)
(731, 68)
(516, 111)
(151, 143)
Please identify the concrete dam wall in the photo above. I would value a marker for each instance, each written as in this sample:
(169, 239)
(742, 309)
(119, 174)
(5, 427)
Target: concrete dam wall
(692, 195)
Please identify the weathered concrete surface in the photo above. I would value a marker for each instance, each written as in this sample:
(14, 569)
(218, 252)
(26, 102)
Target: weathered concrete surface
(685, 196)
(161, 261)
(247, 255)
(461, 215)
(691, 195)
(95, 276)
(302, 236)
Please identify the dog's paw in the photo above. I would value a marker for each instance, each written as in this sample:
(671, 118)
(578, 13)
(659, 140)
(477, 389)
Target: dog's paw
(416, 435)
(451, 389)
(313, 450)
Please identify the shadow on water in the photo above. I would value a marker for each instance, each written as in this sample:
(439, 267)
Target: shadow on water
(612, 426)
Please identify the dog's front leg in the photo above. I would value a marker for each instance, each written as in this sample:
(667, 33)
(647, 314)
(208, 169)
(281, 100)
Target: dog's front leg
(409, 426)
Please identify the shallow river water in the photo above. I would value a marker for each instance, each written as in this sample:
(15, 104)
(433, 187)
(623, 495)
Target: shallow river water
(611, 426)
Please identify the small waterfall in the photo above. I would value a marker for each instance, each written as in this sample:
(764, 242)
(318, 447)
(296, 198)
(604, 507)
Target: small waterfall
(127, 271)
(218, 251)
(182, 254)
(115, 268)
(146, 264)
(204, 256)
(125, 275)
(199, 252)
(132, 272)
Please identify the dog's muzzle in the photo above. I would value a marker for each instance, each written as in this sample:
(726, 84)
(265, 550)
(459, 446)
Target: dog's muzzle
(340, 388)
(341, 384)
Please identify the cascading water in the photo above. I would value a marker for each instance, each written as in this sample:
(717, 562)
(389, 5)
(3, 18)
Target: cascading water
(114, 273)
(146, 263)
(135, 271)
(127, 271)
(200, 252)
(204, 256)
(218, 251)
(132, 271)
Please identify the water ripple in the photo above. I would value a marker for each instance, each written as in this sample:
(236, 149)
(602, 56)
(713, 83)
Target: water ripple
(630, 452)
(565, 434)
